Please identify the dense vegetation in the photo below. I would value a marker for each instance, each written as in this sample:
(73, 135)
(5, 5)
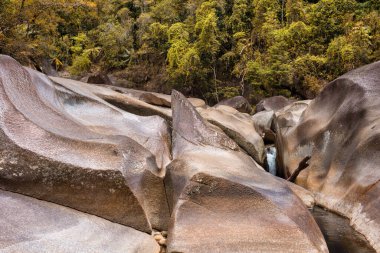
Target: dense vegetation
(208, 48)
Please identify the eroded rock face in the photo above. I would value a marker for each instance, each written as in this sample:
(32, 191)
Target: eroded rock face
(32, 226)
(223, 201)
(284, 121)
(240, 103)
(67, 146)
(100, 116)
(113, 96)
(272, 104)
(340, 131)
(263, 125)
(239, 127)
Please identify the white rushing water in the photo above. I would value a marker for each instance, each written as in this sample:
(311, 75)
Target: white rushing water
(271, 159)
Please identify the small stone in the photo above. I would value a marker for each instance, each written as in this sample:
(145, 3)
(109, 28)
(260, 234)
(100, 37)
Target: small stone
(162, 242)
(158, 237)
(164, 233)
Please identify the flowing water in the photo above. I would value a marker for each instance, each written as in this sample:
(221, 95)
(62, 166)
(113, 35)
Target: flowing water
(271, 154)
(339, 235)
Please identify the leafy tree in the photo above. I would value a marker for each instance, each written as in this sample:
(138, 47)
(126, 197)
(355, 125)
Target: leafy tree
(208, 48)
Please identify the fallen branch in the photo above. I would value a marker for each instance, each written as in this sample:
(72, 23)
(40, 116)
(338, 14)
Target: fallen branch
(302, 165)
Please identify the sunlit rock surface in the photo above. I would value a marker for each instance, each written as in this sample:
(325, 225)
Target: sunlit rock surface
(32, 226)
(239, 127)
(340, 130)
(65, 145)
(222, 201)
(107, 151)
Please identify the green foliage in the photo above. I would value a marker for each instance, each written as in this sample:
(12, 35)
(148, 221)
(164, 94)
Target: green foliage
(209, 48)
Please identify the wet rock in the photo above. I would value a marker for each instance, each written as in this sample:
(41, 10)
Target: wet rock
(222, 201)
(32, 226)
(70, 148)
(240, 103)
(239, 127)
(272, 104)
(339, 130)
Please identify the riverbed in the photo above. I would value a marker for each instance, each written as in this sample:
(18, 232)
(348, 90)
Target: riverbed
(339, 235)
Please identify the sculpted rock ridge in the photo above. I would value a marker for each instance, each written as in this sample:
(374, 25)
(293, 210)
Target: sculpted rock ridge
(220, 195)
(154, 163)
(34, 226)
(340, 131)
(72, 148)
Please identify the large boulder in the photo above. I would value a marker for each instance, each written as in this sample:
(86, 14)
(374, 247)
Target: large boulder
(73, 149)
(340, 131)
(240, 103)
(238, 126)
(32, 226)
(272, 104)
(223, 201)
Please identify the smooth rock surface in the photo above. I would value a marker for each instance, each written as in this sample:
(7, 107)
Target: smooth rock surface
(33, 226)
(127, 102)
(223, 201)
(284, 121)
(272, 104)
(263, 125)
(306, 196)
(240, 103)
(340, 131)
(239, 127)
(69, 148)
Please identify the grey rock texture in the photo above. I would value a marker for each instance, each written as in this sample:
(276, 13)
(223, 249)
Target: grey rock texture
(340, 131)
(239, 127)
(263, 125)
(101, 168)
(222, 201)
(32, 226)
(73, 149)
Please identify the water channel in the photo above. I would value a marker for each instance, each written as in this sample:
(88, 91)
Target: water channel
(339, 235)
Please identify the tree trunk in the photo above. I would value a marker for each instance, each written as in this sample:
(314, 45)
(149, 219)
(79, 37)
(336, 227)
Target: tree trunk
(302, 165)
